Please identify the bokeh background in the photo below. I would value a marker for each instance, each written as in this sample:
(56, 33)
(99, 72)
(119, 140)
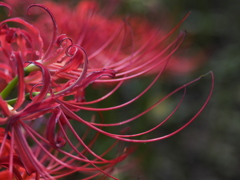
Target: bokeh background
(209, 148)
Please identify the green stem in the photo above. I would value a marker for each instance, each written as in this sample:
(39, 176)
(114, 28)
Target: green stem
(13, 83)
(27, 97)
(9, 87)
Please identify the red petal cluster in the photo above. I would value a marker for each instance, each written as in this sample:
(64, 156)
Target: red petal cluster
(42, 138)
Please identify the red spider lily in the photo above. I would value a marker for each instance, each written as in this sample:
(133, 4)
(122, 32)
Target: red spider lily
(41, 123)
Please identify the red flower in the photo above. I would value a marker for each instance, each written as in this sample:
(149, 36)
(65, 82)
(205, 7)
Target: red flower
(42, 125)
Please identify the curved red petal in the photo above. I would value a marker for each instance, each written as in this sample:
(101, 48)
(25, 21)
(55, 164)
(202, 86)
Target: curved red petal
(46, 82)
(9, 7)
(54, 36)
(21, 86)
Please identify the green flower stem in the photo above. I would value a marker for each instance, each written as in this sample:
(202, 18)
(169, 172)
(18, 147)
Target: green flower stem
(9, 88)
(27, 97)
(13, 83)
(30, 68)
